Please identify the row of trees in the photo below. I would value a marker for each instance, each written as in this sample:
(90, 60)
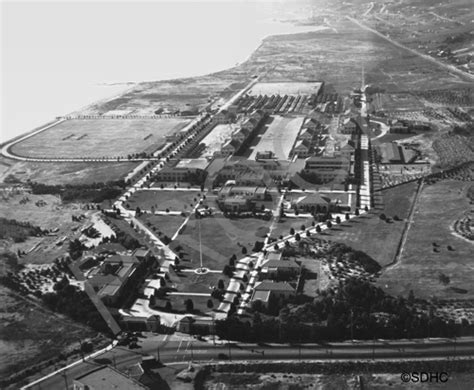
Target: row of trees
(355, 310)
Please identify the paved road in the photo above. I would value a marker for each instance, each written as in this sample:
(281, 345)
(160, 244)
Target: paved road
(173, 351)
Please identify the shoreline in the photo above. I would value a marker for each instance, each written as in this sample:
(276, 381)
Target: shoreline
(131, 85)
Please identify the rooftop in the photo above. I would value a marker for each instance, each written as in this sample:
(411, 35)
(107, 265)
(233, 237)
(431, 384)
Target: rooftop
(273, 286)
(106, 378)
(193, 163)
(263, 296)
(280, 264)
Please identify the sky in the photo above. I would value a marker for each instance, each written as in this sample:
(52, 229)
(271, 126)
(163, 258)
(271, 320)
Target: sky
(57, 56)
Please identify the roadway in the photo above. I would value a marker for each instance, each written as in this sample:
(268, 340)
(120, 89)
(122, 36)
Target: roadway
(175, 350)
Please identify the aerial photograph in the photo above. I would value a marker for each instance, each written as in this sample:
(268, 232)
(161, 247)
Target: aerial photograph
(237, 194)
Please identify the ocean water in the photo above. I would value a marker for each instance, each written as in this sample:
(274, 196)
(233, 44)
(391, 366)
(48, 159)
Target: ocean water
(59, 57)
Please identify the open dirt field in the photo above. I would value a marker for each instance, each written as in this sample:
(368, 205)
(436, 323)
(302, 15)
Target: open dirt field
(51, 214)
(426, 256)
(99, 138)
(30, 334)
(279, 137)
(64, 173)
(295, 88)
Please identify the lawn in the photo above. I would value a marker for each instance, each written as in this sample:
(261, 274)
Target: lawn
(283, 227)
(166, 224)
(178, 305)
(221, 238)
(99, 138)
(372, 235)
(426, 260)
(163, 199)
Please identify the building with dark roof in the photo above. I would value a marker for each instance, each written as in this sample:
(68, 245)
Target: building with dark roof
(230, 147)
(279, 269)
(185, 170)
(310, 203)
(106, 378)
(266, 289)
(391, 153)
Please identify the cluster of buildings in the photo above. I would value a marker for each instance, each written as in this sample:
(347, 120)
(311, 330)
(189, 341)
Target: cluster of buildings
(116, 274)
(190, 170)
(392, 153)
(235, 198)
(243, 134)
(402, 126)
(278, 278)
(310, 139)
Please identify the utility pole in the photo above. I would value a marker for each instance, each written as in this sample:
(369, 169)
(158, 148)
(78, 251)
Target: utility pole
(158, 354)
(82, 351)
(373, 349)
(352, 325)
(65, 380)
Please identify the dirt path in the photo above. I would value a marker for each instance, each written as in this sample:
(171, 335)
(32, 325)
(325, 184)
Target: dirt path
(449, 68)
(409, 222)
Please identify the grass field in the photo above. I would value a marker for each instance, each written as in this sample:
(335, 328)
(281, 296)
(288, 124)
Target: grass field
(420, 266)
(283, 227)
(374, 236)
(221, 238)
(166, 224)
(162, 200)
(99, 138)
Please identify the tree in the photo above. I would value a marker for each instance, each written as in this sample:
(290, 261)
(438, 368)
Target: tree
(275, 247)
(347, 216)
(232, 262)
(244, 250)
(189, 304)
(329, 224)
(168, 306)
(292, 231)
(227, 271)
(152, 302)
(297, 237)
(338, 219)
(210, 304)
(356, 212)
(366, 208)
(220, 284)
(303, 227)
(383, 217)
